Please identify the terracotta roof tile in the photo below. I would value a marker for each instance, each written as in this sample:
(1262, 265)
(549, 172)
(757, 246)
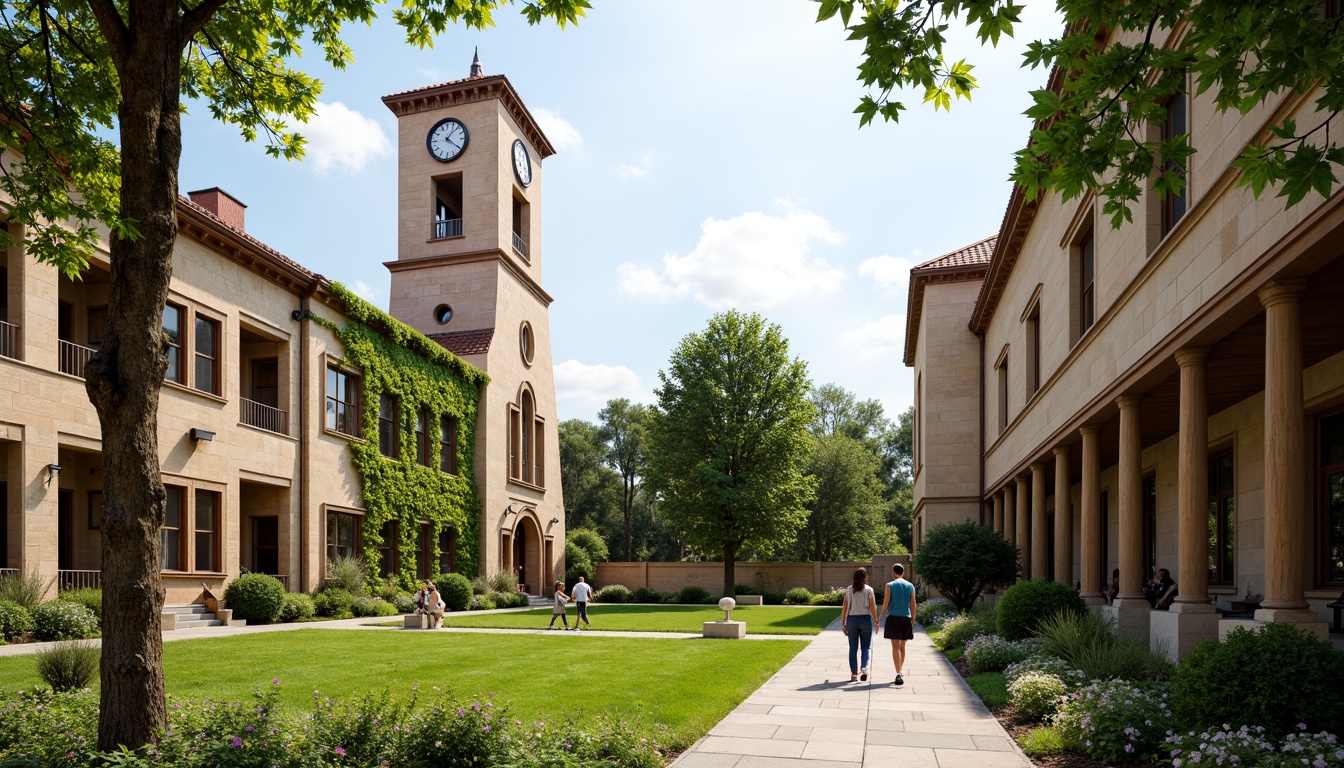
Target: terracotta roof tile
(971, 255)
(473, 342)
(442, 85)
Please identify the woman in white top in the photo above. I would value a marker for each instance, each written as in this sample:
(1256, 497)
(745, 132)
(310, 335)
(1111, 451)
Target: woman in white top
(858, 616)
(434, 606)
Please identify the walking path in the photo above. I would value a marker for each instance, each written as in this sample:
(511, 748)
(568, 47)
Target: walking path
(810, 716)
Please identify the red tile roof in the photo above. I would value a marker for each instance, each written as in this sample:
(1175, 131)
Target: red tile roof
(473, 342)
(971, 255)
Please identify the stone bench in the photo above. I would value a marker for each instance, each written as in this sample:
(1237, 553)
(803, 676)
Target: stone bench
(415, 621)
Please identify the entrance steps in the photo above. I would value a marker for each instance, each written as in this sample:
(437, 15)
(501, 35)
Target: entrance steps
(537, 601)
(197, 616)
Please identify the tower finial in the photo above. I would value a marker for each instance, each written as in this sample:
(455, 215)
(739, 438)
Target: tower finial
(476, 69)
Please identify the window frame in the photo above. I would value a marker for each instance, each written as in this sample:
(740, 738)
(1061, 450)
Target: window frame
(356, 535)
(391, 423)
(216, 361)
(1001, 371)
(448, 447)
(1221, 504)
(215, 539)
(1322, 472)
(422, 418)
(180, 492)
(389, 551)
(331, 417)
(1087, 281)
(175, 352)
(1175, 206)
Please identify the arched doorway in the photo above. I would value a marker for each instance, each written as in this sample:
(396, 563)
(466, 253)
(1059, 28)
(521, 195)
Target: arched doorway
(526, 555)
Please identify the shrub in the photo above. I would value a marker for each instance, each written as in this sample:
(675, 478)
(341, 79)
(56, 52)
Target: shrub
(646, 595)
(590, 541)
(257, 597)
(91, 598)
(455, 590)
(519, 599)
(613, 593)
(347, 572)
(482, 603)
(26, 589)
(297, 607)
(577, 563)
(502, 599)
(1276, 676)
(935, 611)
(1027, 603)
(772, 598)
(333, 603)
(502, 581)
(962, 560)
(1044, 663)
(1088, 642)
(1036, 694)
(798, 596)
(991, 653)
(745, 589)
(60, 620)
(371, 606)
(959, 630)
(479, 585)
(831, 597)
(405, 603)
(69, 665)
(1253, 746)
(1115, 720)
(1042, 742)
(15, 620)
(694, 595)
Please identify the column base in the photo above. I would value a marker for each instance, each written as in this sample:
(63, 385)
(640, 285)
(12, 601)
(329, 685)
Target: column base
(1193, 608)
(1175, 634)
(1130, 615)
(1093, 598)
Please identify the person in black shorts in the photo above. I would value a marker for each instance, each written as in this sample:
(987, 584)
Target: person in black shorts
(898, 606)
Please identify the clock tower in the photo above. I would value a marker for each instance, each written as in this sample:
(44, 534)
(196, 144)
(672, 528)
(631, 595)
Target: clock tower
(468, 275)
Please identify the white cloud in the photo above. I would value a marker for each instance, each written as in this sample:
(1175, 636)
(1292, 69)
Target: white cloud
(639, 170)
(594, 385)
(891, 273)
(561, 132)
(883, 335)
(754, 260)
(365, 291)
(339, 138)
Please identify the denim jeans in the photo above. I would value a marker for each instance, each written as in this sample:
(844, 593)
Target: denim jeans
(860, 633)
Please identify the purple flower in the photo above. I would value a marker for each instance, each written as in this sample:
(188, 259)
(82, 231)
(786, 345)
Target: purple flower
(275, 681)
(1129, 747)
(476, 706)
(1301, 726)
(237, 742)
(486, 729)
(340, 752)
(250, 729)
(461, 712)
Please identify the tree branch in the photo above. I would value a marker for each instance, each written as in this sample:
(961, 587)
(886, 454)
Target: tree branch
(194, 19)
(114, 31)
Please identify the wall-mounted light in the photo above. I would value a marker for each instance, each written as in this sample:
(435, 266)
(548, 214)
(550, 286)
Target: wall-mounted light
(53, 472)
(199, 434)
(297, 314)
(510, 511)
(554, 520)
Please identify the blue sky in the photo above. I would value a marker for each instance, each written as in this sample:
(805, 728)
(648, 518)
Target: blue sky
(708, 159)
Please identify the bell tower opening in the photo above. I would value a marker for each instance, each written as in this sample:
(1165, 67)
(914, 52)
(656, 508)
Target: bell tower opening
(447, 206)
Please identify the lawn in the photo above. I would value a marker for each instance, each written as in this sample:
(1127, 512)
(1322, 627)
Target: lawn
(688, 685)
(761, 620)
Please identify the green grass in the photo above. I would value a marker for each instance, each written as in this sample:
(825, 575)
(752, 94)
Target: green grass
(990, 687)
(761, 620)
(954, 654)
(935, 633)
(688, 685)
(1040, 742)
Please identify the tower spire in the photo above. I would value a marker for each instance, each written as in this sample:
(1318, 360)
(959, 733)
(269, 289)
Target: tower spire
(476, 69)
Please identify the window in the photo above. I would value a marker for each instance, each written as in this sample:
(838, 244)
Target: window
(342, 535)
(425, 555)
(172, 330)
(1222, 519)
(97, 326)
(422, 438)
(1002, 369)
(1087, 278)
(1033, 334)
(527, 437)
(527, 449)
(207, 531)
(526, 344)
(1149, 526)
(447, 207)
(342, 402)
(170, 536)
(1177, 125)
(1050, 547)
(447, 550)
(1330, 499)
(1105, 539)
(448, 445)
(387, 425)
(206, 348)
(521, 224)
(388, 561)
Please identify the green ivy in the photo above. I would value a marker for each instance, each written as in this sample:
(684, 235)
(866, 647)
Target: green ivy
(395, 359)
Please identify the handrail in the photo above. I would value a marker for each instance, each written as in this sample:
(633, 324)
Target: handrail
(520, 245)
(66, 579)
(73, 357)
(447, 228)
(263, 416)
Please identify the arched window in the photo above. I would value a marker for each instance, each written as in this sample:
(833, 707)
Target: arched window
(526, 440)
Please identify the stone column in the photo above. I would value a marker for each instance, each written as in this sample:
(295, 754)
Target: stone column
(1090, 499)
(1131, 609)
(1040, 537)
(1063, 553)
(997, 522)
(1024, 527)
(39, 511)
(1285, 457)
(1009, 514)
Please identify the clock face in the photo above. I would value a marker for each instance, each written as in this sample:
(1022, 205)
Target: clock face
(447, 139)
(522, 164)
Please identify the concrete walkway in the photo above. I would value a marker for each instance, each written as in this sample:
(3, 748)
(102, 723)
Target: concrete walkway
(810, 716)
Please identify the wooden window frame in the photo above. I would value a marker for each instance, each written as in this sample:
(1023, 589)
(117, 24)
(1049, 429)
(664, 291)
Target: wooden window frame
(422, 418)
(176, 351)
(392, 424)
(183, 513)
(212, 387)
(331, 418)
(389, 551)
(448, 446)
(1321, 473)
(357, 532)
(1175, 206)
(1221, 505)
(214, 532)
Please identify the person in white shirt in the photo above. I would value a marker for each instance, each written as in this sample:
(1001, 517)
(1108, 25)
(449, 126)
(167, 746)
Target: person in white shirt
(582, 593)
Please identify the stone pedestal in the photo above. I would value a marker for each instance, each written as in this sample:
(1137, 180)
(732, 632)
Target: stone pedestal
(733, 630)
(1131, 616)
(1306, 621)
(1177, 632)
(750, 600)
(414, 621)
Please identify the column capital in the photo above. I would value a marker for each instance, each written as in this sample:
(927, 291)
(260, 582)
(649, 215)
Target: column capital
(1192, 356)
(1090, 429)
(1280, 291)
(1061, 451)
(1128, 401)
(1037, 466)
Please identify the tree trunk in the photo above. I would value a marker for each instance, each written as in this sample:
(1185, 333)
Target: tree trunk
(124, 379)
(729, 570)
(628, 501)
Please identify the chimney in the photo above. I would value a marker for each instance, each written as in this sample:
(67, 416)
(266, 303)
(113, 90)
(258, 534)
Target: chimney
(224, 206)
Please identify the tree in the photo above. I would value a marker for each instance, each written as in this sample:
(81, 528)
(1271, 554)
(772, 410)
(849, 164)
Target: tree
(962, 559)
(845, 520)
(729, 439)
(592, 489)
(1092, 118)
(624, 430)
(74, 72)
(898, 445)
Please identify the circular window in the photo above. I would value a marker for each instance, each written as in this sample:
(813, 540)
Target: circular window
(526, 344)
(442, 314)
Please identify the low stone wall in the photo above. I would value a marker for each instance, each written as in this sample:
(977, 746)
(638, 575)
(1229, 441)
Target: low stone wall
(771, 577)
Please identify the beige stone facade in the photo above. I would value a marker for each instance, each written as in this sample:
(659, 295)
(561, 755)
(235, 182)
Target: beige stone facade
(1163, 395)
(257, 478)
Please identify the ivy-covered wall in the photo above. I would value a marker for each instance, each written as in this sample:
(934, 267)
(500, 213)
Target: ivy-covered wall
(395, 359)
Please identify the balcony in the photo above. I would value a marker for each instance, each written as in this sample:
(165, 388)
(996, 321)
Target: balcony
(79, 579)
(263, 416)
(447, 228)
(520, 245)
(9, 340)
(74, 357)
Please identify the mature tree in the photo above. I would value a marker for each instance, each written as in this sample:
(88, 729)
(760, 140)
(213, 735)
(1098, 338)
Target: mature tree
(1092, 117)
(729, 439)
(624, 428)
(898, 447)
(592, 489)
(962, 559)
(846, 520)
(76, 72)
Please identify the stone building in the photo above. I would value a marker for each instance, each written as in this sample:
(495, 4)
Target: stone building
(1166, 394)
(263, 414)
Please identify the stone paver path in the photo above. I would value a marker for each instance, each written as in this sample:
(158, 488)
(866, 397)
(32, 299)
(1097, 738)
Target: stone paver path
(810, 716)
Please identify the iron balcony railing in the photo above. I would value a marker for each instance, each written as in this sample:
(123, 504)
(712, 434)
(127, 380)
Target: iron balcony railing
(74, 357)
(265, 417)
(520, 245)
(283, 580)
(9, 340)
(79, 579)
(447, 228)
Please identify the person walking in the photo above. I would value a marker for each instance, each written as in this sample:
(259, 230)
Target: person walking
(582, 593)
(558, 610)
(858, 616)
(898, 606)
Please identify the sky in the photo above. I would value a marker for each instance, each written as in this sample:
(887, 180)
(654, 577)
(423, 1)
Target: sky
(708, 159)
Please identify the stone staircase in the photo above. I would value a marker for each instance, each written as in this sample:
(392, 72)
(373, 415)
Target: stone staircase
(197, 616)
(540, 601)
